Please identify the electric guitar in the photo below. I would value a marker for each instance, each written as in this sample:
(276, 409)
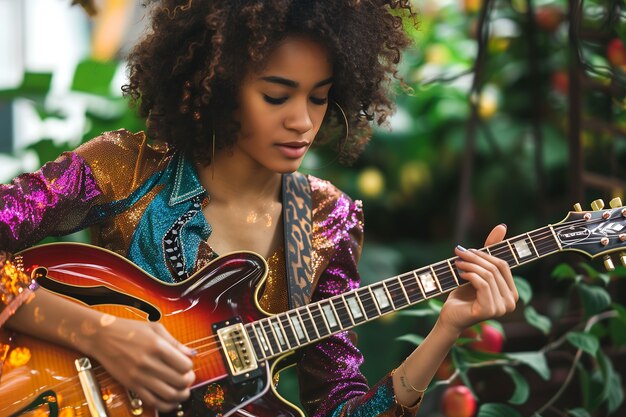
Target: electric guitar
(216, 312)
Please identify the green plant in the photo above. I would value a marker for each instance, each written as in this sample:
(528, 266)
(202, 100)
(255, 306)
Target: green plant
(580, 344)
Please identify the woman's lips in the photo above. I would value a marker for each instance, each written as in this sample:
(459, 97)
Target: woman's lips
(293, 149)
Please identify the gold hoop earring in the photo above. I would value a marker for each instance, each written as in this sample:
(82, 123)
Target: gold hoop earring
(345, 119)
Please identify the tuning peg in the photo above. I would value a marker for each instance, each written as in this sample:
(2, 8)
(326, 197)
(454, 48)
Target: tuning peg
(608, 263)
(616, 202)
(577, 207)
(622, 258)
(597, 204)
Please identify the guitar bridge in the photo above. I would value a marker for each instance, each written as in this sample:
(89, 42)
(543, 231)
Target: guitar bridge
(237, 349)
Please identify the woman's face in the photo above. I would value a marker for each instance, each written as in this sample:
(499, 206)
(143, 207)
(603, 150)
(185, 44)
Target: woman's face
(281, 108)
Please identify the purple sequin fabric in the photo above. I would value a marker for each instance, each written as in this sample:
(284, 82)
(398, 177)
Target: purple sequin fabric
(57, 197)
(331, 383)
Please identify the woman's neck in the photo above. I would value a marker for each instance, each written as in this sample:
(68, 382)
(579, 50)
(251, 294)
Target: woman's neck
(231, 181)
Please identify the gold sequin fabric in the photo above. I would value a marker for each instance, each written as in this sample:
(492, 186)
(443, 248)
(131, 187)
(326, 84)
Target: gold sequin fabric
(121, 161)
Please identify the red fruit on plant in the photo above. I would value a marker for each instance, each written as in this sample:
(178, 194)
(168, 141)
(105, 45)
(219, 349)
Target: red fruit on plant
(458, 401)
(446, 369)
(549, 18)
(560, 82)
(616, 52)
(489, 339)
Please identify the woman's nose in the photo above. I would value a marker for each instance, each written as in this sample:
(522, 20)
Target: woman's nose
(299, 118)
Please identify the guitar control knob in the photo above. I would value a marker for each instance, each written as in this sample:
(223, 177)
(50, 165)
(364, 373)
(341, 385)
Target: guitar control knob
(608, 263)
(578, 207)
(616, 202)
(622, 258)
(597, 204)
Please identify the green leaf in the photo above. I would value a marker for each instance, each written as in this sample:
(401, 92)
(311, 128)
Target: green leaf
(462, 366)
(584, 341)
(616, 394)
(34, 85)
(536, 360)
(497, 410)
(522, 391)
(564, 271)
(612, 391)
(594, 274)
(94, 77)
(419, 312)
(594, 299)
(524, 289)
(578, 412)
(537, 320)
(435, 305)
(620, 310)
(617, 332)
(591, 271)
(413, 339)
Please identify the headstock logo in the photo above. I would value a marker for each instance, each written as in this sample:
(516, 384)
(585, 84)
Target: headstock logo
(573, 234)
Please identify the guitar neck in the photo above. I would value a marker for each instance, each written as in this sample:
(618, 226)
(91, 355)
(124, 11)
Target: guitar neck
(281, 333)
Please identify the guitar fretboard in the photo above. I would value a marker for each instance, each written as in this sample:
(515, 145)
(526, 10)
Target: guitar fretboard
(275, 335)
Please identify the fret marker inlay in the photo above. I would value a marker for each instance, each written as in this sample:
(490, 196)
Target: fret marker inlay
(296, 325)
(330, 315)
(381, 297)
(428, 282)
(522, 248)
(261, 337)
(355, 309)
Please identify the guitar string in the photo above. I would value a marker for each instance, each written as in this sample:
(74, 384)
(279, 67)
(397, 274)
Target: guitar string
(503, 249)
(287, 325)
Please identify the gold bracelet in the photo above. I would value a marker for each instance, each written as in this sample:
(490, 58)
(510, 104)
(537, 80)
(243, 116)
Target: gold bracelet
(420, 391)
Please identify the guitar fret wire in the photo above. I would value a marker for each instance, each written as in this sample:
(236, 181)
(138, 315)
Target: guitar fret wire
(308, 309)
(345, 303)
(374, 300)
(453, 273)
(419, 284)
(408, 300)
(389, 297)
(292, 328)
(435, 278)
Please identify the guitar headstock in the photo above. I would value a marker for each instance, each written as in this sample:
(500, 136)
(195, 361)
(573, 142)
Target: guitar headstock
(598, 232)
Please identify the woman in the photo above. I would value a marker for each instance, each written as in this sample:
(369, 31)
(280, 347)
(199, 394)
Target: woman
(234, 94)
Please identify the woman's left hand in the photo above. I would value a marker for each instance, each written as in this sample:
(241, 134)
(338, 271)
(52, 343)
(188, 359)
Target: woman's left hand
(491, 290)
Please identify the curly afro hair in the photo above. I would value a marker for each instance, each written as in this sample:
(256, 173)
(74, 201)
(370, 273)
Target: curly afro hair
(184, 75)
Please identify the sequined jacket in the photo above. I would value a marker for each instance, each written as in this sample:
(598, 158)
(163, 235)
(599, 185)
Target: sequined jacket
(133, 194)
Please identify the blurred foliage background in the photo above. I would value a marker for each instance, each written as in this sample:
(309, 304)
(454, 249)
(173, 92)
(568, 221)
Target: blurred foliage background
(510, 112)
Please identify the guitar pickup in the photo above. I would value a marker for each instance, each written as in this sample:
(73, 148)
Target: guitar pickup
(237, 349)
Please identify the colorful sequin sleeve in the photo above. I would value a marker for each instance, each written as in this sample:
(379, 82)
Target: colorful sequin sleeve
(50, 202)
(331, 383)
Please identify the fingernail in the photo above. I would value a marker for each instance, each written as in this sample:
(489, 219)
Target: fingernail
(503, 224)
(461, 248)
(192, 352)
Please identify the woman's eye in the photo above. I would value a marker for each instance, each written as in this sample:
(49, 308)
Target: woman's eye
(274, 100)
(319, 101)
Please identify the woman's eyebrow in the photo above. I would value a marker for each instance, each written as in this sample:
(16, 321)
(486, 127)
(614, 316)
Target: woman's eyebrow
(291, 83)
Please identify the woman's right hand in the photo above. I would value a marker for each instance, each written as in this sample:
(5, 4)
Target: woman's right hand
(145, 359)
